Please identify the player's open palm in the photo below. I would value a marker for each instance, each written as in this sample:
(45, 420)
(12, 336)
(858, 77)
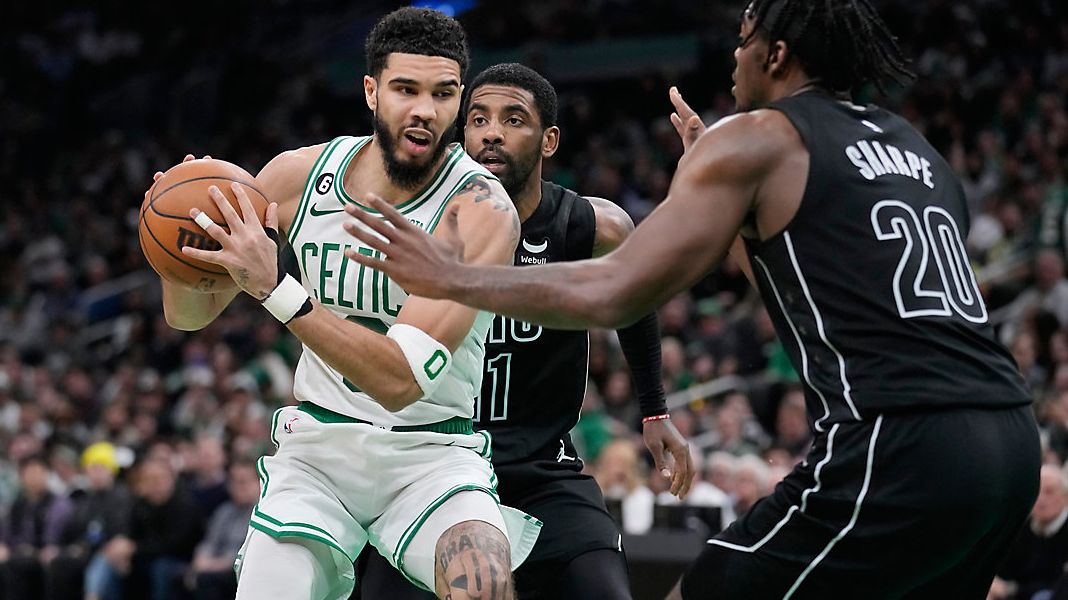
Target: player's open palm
(420, 263)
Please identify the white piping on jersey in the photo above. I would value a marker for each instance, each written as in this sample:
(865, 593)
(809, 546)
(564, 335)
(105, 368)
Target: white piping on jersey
(800, 345)
(852, 520)
(790, 512)
(846, 388)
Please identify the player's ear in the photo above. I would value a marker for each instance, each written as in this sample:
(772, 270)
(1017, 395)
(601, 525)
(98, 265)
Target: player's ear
(550, 141)
(370, 92)
(778, 54)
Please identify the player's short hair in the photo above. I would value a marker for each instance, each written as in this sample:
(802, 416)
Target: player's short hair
(413, 30)
(843, 43)
(524, 78)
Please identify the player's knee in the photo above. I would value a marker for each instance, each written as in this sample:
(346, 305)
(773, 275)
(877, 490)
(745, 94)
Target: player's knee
(473, 561)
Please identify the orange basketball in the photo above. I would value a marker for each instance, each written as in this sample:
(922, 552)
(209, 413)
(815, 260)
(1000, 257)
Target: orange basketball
(165, 226)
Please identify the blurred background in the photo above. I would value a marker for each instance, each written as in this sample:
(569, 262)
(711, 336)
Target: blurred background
(127, 447)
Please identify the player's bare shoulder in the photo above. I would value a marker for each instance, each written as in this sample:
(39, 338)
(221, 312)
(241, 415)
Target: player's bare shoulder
(613, 225)
(284, 177)
(745, 144)
(483, 202)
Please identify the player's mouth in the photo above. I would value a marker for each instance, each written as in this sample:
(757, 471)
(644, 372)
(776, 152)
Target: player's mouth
(417, 141)
(493, 162)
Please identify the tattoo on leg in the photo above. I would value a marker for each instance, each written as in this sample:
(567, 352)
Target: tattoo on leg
(473, 563)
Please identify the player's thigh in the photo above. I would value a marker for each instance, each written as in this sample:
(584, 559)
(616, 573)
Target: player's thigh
(290, 568)
(600, 574)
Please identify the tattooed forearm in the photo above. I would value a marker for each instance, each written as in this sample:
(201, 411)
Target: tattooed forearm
(482, 190)
(473, 562)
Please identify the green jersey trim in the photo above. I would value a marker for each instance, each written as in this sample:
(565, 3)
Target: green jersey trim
(409, 534)
(441, 210)
(264, 477)
(302, 207)
(275, 528)
(415, 201)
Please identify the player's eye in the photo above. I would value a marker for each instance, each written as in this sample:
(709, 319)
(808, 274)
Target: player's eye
(478, 120)
(515, 121)
(408, 91)
(443, 94)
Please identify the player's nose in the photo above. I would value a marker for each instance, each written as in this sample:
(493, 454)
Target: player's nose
(492, 136)
(423, 108)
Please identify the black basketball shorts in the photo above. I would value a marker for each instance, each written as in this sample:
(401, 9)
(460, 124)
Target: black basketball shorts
(906, 505)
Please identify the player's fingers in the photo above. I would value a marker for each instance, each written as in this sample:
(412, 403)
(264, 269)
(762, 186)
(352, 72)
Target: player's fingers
(270, 219)
(211, 256)
(684, 470)
(213, 229)
(676, 120)
(368, 261)
(680, 105)
(227, 209)
(157, 175)
(372, 223)
(695, 124)
(391, 214)
(248, 213)
(189, 157)
(356, 230)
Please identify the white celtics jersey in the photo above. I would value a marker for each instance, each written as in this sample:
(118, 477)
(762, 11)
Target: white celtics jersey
(369, 297)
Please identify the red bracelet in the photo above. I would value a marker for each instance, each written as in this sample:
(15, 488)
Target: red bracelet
(656, 418)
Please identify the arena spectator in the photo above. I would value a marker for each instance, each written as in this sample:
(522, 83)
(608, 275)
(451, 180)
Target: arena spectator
(212, 571)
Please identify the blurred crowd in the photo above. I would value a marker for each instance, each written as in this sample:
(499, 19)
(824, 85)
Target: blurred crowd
(128, 449)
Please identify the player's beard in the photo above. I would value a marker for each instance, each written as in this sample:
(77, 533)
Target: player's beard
(407, 175)
(517, 170)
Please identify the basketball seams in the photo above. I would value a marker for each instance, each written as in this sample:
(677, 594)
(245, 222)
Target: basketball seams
(179, 257)
(185, 271)
(152, 200)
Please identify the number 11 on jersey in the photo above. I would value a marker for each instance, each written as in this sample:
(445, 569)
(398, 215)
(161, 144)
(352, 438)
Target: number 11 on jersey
(499, 368)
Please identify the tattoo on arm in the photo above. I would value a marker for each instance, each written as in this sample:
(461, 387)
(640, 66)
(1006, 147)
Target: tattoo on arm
(483, 191)
(473, 562)
(242, 277)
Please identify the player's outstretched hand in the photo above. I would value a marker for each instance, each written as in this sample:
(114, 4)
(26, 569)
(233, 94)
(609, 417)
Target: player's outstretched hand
(421, 264)
(247, 253)
(669, 449)
(685, 119)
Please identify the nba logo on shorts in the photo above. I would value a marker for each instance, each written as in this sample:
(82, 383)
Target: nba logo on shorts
(288, 426)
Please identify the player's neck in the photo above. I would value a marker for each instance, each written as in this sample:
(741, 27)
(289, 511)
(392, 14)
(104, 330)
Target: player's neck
(528, 197)
(367, 173)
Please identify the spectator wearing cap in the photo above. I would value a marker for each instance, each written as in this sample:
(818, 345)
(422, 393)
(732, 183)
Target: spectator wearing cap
(31, 534)
(101, 513)
(212, 572)
(164, 527)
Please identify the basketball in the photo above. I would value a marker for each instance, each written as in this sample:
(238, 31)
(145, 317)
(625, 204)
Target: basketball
(165, 226)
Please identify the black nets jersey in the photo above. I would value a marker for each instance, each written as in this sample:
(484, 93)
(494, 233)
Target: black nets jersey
(869, 286)
(535, 377)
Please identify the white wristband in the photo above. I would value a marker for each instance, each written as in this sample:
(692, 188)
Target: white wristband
(286, 299)
(428, 358)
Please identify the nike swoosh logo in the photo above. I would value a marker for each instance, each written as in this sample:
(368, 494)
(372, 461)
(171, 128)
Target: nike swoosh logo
(535, 249)
(320, 213)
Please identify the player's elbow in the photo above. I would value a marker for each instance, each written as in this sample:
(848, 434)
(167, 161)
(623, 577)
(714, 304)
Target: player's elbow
(183, 321)
(398, 395)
